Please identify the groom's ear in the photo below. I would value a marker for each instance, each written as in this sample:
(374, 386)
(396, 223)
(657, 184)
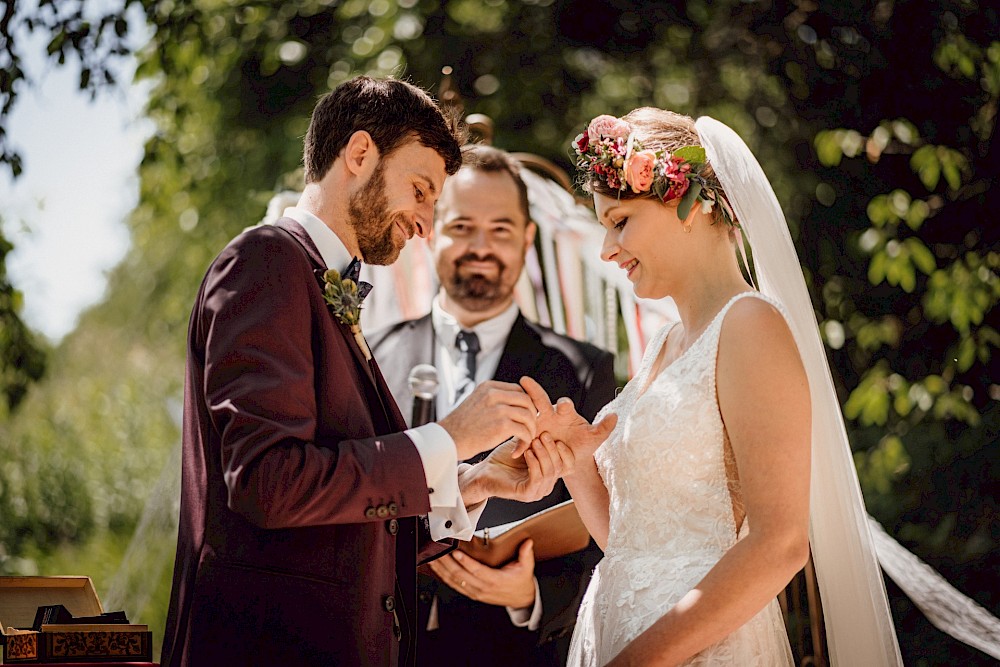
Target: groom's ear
(360, 154)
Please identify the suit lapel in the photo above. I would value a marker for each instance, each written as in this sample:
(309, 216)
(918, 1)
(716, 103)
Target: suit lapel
(392, 410)
(359, 354)
(520, 354)
(379, 398)
(299, 233)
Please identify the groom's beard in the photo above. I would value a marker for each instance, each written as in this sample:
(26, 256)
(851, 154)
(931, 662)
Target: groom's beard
(373, 226)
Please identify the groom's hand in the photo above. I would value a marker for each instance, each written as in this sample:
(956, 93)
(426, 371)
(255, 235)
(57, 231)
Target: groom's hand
(493, 412)
(512, 585)
(525, 478)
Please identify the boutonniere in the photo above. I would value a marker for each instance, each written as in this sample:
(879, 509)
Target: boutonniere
(343, 296)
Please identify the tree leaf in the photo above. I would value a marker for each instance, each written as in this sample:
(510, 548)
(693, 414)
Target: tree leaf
(921, 255)
(877, 267)
(55, 44)
(918, 212)
(951, 173)
(828, 149)
(925, 162)
(966, 354)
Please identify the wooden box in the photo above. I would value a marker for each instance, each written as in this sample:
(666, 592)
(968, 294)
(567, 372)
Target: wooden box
(20, 598)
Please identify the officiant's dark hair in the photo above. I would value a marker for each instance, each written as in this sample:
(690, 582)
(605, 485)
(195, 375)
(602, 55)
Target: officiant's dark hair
(482, 157)
(391, 111)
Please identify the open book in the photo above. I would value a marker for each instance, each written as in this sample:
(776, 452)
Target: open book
(556, 531)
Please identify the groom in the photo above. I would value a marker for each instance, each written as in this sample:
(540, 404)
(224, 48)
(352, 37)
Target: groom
(303, 494)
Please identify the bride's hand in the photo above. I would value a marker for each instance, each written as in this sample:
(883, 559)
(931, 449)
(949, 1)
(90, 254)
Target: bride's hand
(561, 422)
(524, 478)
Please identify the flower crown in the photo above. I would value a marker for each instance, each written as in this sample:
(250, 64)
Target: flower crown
(610, 151)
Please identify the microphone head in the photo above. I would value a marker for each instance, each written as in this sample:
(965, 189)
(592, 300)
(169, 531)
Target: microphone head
(423, 381)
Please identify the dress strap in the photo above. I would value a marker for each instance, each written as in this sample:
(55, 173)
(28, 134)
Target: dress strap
(717, 322)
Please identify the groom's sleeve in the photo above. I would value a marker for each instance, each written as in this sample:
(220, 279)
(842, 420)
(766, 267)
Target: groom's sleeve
(448, 516)
(256, 327)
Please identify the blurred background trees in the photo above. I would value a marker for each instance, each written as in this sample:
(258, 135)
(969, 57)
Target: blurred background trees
(875, 121)
(22, 356)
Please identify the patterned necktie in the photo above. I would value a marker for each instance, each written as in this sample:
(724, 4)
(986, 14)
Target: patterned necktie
(353, 272)
(467, 343)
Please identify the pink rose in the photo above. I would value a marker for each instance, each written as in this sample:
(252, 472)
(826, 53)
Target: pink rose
(639, 170)
(675, 172)
(607, 126)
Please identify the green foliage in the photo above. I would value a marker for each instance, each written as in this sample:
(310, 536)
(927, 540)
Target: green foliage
(22, 356)
(76, 31)
(908, 286)
(963, 294)
(77, 459)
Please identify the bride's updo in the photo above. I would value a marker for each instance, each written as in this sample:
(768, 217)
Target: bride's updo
(657, 130)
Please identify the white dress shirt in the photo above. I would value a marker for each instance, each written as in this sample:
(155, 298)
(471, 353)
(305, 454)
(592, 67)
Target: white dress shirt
(492, 336)
(448, 516)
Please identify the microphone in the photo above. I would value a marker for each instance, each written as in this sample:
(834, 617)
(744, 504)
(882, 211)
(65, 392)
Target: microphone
(423, 382)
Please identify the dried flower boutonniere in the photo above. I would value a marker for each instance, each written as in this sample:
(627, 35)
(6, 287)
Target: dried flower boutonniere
(344, 298)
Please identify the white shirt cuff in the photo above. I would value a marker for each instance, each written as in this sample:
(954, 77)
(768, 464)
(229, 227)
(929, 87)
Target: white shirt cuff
(448, 516)
(522, 619)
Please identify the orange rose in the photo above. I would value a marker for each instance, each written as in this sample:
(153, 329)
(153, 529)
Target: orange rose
(639, 170)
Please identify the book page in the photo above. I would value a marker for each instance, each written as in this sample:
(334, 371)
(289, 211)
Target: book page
(497, 531)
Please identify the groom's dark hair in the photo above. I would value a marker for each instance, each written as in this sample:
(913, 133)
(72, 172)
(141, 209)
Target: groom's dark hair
(391, 111)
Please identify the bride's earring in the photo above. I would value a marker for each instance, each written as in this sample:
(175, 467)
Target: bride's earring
(687, 229)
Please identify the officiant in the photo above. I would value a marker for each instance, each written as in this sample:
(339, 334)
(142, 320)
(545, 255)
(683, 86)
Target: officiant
(522, 612)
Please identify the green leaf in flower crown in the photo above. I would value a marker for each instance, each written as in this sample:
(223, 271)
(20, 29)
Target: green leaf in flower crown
(688, 200)
(692, 154)
(660, 188)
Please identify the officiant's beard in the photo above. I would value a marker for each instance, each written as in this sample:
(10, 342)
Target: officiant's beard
(373, 225)
(476, 291)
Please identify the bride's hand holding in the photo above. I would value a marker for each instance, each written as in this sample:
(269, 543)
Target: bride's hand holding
(562, 423)
(507, 474)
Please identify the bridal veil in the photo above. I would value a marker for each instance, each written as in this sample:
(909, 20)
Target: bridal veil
(859, 625)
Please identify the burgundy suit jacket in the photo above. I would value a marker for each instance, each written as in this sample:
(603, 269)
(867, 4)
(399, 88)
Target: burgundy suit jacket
(300, 524)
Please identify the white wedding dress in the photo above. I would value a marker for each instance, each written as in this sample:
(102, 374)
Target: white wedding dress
(672, 513)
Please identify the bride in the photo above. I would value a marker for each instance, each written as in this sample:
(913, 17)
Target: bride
(700, 497)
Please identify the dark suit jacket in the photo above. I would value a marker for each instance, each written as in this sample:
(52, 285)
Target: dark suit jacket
(299, 534)
(471, 632)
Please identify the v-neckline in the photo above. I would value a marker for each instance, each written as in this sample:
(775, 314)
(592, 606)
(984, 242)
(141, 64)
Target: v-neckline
(651, 377)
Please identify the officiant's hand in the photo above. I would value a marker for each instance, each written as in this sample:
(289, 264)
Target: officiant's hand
(512, 585)
(493, 412)
(526, 478)
(562, 423)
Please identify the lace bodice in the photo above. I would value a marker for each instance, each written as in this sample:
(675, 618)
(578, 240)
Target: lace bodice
(671, 509)
(663, 465)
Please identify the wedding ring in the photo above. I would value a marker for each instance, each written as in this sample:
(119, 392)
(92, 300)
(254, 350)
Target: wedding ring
(462, 584)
